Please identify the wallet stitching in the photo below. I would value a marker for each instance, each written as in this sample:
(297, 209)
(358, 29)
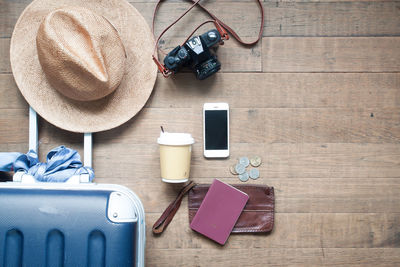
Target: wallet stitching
(243, 210)
(252, 230)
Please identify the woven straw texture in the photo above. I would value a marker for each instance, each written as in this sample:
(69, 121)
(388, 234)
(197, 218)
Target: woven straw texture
(43, 87)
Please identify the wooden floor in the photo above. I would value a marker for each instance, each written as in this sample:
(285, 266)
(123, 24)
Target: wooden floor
(318, 98)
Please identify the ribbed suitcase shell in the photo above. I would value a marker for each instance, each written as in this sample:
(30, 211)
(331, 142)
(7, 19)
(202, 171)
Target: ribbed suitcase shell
(69, 224)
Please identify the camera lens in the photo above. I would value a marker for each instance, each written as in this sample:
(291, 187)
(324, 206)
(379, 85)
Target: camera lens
(207, 68)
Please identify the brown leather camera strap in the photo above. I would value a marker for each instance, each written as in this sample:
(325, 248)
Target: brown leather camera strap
(161, 224)
(220, 25)
(231, 31)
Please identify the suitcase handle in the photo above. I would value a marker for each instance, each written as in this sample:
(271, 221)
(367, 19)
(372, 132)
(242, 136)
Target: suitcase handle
(33, 139)
(33, 145)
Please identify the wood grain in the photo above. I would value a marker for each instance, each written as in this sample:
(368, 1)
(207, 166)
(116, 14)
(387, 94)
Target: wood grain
(293, 195)
(14, 125)
(5, 66)
(254, 125)
(333, 54)
(284, 18)
(259, 90)
(290, 18)
(280, 90)
(386, 257)
(10, 96)
(281, 161)
(291, 230)
(273, 125)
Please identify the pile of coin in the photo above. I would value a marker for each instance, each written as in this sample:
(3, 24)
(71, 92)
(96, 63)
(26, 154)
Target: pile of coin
(240, 168)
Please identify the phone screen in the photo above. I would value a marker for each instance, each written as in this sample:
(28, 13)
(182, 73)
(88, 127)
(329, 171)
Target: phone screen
(216, 129)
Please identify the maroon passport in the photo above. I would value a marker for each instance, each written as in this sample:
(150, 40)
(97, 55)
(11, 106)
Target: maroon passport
(219, 211)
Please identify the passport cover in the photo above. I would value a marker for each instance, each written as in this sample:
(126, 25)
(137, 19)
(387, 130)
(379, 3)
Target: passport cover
(257, 215)
(219, 211)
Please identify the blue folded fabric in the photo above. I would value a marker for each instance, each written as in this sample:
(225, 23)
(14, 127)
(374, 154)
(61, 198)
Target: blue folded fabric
(61, 164)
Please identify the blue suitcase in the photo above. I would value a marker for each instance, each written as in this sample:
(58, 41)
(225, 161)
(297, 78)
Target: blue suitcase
(77, 223)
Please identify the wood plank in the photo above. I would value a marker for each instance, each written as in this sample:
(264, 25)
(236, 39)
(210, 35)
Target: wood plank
(267, 1)
(14, 125)
(284, 18)
(280, 90)
(333, 54)
(331, 19)
(234, 1)
(9, 147)
(11, 98)
(299, 195)
(5, 66)
(330, 125)
(14, 128)
(260, 90)
(280, 160)
(383, 257)
(291, 161)
(270, 125)
(275, 125)
(291, 230)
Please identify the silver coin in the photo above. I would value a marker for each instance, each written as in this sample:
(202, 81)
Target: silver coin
(254, 174)
(240, 168)
(244, 176)
(255, 161)
(244, 161)
(232, 169)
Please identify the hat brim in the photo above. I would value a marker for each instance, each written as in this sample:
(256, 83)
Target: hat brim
(92, 116)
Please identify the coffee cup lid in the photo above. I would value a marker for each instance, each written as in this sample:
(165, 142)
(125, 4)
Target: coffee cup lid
(175, 139)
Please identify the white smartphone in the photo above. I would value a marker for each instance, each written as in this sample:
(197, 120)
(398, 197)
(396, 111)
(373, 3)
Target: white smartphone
(216, 130)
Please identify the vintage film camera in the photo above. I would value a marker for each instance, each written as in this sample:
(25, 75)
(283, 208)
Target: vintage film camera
(196, 55)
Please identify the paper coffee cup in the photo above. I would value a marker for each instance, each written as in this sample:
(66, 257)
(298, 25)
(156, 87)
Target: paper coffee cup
(175, 155)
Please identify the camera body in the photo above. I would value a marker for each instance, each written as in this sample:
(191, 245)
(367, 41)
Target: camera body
(196, 55)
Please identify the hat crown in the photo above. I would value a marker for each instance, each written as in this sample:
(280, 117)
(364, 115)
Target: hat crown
(81, 53)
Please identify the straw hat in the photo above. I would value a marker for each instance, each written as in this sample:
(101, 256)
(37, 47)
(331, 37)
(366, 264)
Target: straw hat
(83, 65)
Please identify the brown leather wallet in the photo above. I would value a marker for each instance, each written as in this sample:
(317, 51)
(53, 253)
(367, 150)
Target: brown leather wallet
(257, 216)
